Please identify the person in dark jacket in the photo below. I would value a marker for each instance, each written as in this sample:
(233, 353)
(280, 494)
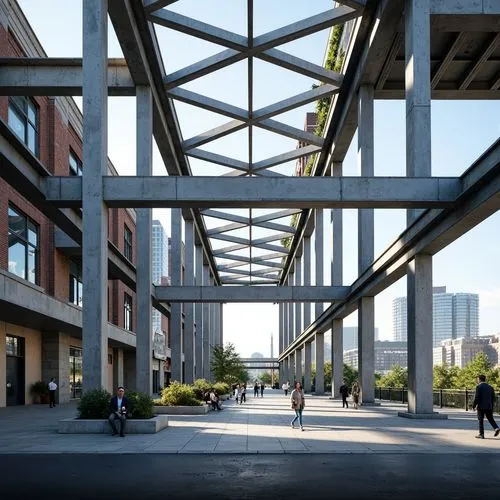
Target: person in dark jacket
(483, 401)
(118, 408)
(344, 392)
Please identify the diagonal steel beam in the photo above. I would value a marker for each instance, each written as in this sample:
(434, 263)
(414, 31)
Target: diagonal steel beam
(289, 131)
(208, 103)
(298, 65)
(199, 29)
(213, 134)
(305, 27)
(225, 229)
(232, 248)
(452, 52)
(284, 157)
(225, 161)
(203, 67)
(152, 5)
(275, 227)
(275, 215)
(225, 216)
(296, 101)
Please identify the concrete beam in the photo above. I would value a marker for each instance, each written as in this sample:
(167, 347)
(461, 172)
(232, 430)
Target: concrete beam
(58, 76)
(176, 294)
(283, 192)
(465, 7)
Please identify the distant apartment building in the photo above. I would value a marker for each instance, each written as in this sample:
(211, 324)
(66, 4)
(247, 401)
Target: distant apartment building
(387, 354)
(159, 267)
(351, 337)
(459, 352)
(309, 126)
(455, 315)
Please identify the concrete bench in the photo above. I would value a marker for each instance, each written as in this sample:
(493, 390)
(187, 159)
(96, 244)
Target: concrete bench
(139, 426)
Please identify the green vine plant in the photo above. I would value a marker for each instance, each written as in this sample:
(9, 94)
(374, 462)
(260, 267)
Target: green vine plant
(334, 61)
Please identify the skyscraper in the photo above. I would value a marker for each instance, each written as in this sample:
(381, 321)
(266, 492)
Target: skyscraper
(159, 264)
(454, 315)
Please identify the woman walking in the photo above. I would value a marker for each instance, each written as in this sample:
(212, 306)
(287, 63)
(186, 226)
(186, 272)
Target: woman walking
(355, 394)
(298, 403)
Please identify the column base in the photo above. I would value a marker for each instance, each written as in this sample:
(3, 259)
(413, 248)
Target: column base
(423, 416)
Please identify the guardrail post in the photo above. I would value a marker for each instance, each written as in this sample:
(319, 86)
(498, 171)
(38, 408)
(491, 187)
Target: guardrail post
(466, 399)
(403, 395)
(440, 398)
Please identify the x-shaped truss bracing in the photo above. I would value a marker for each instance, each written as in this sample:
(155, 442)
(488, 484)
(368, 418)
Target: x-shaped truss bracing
(261, 269)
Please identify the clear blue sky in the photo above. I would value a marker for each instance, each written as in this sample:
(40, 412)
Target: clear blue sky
(461, 131)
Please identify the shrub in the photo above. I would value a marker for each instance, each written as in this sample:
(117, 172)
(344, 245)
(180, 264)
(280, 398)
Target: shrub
(222, 388)
(39, 391)
(200, 387)
(141, 405)
(94, 404)
(177, 394)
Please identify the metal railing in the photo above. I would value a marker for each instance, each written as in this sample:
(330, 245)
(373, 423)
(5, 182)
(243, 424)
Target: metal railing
(444, 398)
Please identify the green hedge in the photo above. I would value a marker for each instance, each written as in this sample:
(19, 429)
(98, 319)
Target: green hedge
(222, 388)
(94, 405)
(177, 394)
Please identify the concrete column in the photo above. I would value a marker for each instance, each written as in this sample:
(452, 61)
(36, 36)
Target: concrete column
(298, 365)
(118, 370)
(366, 305)
(199, 316)
(176, 309)
(161, 375)
(298, 305)
(144, 221)
(129, 378)
(337, 357)
(221, 324)
(95, 212)
(189, 307)
(285, 326)
(206, 328)
(307, 366)
(420, 323)
(286, 369)
(366, 349)
(280, 328)
(307, 278)
(291, 315)
(320, 363)
(337, 339)
(55, 362)
(318, 248)
(418, 92)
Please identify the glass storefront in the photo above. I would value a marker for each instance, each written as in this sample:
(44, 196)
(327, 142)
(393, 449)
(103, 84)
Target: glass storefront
(75, 372)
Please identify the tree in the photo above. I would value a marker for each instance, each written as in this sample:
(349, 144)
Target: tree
(226, 365)
(265, 377)
(480, 365)
(445, 377)
(350, 374)
(397, 377)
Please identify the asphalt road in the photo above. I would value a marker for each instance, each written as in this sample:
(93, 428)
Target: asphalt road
(338, 477)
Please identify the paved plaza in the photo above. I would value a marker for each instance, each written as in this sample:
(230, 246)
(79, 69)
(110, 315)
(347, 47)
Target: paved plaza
(259, 426)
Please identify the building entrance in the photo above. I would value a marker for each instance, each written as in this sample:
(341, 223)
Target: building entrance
(15, 376)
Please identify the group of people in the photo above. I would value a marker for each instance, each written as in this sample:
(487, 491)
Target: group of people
(240, 393)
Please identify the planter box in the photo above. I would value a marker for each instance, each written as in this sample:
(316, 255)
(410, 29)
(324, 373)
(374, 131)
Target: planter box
(139, 426)
(181, 410)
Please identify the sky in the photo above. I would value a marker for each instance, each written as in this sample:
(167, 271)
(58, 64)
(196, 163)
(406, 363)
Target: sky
(461, 131)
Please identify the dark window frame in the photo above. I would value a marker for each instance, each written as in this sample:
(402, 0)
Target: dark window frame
(127, 311)
(78, 164)
(25, 240)
(20, 105)
(127, 243)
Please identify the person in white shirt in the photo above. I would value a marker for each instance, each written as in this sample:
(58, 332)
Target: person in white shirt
(52, 392)
(286, 387)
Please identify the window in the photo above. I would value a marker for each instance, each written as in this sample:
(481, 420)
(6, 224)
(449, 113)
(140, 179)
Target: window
(75, 283)
(127, 246)
(127, 307)
(23, 246)
(75, 165)
(23, 120)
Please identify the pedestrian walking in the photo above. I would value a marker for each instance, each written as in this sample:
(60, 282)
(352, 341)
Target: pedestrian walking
(256, 390)
(237, 393)
(262, 389)
(344, 392)
(286, 387)
(243, 397)
(52, 392)
(483, 401)
(214, 399)
(298, 402)
(355, 391)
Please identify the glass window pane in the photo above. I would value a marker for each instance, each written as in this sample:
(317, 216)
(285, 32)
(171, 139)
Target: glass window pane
(80, 293)
(17, 257)
(32, 264)
(32, 234)
(17, 124)
(17, 224)
(31, 139)
(31, 112)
